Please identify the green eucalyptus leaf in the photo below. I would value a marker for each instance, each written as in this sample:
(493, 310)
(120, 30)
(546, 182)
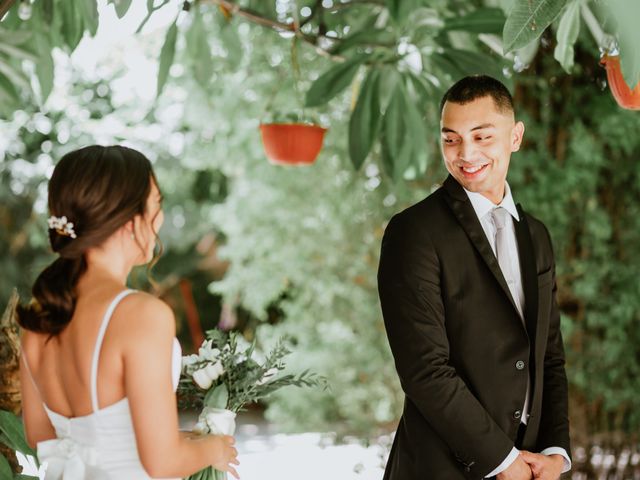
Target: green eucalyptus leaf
(364, 123)
(217, 397)
(333, 81)
(567, 34)
(21, 53)
(482, 20)
(167, 55)
(527, 20)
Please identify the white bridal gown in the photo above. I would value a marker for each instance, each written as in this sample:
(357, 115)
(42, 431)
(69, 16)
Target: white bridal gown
(101, 445)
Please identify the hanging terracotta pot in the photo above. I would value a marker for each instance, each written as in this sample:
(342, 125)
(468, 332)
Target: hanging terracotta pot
(292, 143)
(625, 96)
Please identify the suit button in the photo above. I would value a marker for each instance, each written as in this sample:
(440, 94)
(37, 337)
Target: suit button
(520, 365)
(517, 414)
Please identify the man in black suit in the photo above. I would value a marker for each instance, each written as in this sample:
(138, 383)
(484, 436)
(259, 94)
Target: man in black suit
(468, 293)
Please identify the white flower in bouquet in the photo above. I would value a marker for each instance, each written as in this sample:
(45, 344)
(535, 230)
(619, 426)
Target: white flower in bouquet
(208, 352)
(189, 360)
(214, 370)
(268, 375)
(202, 378)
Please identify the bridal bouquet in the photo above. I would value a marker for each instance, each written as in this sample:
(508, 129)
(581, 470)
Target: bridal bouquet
(226, 374)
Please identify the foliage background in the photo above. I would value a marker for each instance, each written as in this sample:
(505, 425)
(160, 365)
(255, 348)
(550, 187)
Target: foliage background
(295, 250)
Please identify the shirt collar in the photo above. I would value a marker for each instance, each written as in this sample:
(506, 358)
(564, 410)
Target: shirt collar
(482, 205)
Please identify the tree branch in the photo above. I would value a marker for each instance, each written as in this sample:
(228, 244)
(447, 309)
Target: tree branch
(5, 5)
(254, 17)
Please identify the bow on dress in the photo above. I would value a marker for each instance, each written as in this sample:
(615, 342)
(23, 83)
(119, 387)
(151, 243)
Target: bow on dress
(68, 460)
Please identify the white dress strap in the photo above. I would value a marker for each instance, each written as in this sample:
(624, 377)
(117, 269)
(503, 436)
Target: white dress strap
(98, 346)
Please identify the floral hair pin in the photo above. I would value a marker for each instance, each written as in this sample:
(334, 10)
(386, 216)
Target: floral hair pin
(62, 226)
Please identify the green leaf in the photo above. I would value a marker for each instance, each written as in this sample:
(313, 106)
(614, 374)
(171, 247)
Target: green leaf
(365, 120)
(400, 9)
(72, 25)
(13, 431)
(625, 15)
(18, 52)
(5, 468)
(232, 43)
(44, 66)
(199, 51)
(14, 37)
(482, 20)
(16, 76)
(527, 20)
(459, 63)
(167, 54)
(567, 35)
(333, 81)
(364, 38)
(121, 6)
(217, 397)
(90, 14)
(394, 142)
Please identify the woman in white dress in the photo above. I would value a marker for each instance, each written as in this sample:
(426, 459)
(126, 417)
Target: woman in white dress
(101, 362)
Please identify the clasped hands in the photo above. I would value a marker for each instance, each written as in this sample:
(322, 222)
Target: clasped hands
(530, 466)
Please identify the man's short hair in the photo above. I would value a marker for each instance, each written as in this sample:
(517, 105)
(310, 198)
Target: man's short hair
(473, 87)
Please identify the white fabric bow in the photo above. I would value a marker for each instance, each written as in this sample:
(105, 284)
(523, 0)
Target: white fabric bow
(68, 460)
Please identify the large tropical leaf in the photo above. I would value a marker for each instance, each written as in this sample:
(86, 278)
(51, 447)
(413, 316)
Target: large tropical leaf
(333, 81)
(12, 433)
(527, 20)
(567, 34)
(199, 51)
(365, 119)
(482, 20)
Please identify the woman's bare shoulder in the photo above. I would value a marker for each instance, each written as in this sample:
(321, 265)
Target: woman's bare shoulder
(142, 313)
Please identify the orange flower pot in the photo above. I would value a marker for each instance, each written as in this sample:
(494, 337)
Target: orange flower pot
(624, 95)
(292, 143)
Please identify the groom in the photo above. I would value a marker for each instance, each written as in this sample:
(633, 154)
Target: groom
(468, 293)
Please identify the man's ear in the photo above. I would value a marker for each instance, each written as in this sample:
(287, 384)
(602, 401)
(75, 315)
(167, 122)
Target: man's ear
(517, 133)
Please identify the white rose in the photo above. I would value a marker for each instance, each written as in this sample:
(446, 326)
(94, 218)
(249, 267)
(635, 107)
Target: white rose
(214, 370)
(206, 352)
(201, 378)
(200, 428)
(219, 420)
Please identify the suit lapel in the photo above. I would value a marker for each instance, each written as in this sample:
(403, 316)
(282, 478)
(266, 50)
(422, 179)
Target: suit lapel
(463, 210)
(529, 273)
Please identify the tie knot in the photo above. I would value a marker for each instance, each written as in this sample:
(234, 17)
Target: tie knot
(499, 215)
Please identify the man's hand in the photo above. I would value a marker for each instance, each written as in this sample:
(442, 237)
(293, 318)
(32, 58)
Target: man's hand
(518, 470)
(544, 467)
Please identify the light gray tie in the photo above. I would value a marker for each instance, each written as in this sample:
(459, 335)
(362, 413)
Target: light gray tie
(499, 215)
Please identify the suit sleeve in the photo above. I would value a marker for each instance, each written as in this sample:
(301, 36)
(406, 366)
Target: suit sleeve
(554, 416)
(410, 295)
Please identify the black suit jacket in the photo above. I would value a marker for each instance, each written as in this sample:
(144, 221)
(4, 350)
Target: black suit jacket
(459, 343)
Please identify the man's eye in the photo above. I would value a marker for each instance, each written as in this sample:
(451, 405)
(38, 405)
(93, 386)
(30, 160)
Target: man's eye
(449, 140)
(486, 137)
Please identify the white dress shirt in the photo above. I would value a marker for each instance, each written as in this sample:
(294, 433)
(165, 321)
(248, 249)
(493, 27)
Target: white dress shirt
(483, 208)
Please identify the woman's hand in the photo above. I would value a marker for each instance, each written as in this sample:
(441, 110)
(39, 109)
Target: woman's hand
(226, 454)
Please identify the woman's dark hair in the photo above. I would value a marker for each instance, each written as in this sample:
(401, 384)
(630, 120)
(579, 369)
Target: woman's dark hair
(99, 189)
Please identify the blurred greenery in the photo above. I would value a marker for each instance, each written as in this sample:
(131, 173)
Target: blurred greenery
(271, 250)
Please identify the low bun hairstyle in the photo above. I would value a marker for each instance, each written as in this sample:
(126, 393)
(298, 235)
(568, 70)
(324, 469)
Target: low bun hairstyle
(99, 189)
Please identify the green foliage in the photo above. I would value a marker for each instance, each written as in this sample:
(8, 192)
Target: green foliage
(167, 55)
(567, 34)
(12, 435)
(527, 20)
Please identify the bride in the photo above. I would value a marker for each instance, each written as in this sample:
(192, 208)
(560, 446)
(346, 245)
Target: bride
(100, 362)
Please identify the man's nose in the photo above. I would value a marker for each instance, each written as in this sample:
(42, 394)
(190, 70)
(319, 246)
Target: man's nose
(467, 151)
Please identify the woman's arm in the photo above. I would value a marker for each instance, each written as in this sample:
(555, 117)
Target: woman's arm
(37, 426)
(164, 450)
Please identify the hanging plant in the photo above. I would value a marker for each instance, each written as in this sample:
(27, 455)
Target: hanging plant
(292, 140)
(625, 96)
